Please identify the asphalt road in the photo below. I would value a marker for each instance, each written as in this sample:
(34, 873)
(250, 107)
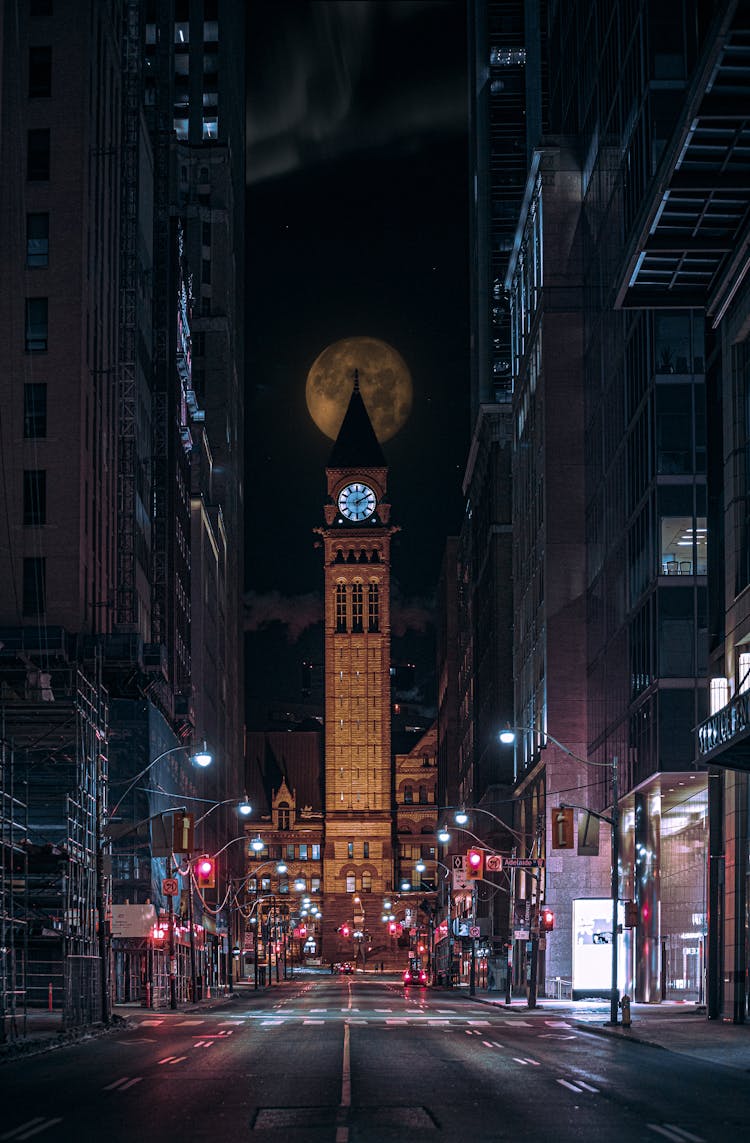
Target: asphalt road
(357, 1060)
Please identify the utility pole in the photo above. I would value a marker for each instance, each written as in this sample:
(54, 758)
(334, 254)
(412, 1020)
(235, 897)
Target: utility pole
(172, 945)
(615, 996)
(511, 926)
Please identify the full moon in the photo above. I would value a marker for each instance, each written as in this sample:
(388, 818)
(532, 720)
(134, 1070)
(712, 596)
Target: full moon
(384, 382)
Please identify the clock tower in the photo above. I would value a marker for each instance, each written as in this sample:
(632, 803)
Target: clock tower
(358, 850)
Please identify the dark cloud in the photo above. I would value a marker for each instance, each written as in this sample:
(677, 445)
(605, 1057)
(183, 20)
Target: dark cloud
(318, 80)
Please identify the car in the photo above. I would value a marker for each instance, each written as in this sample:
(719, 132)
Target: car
(346, 967)
(418, 976)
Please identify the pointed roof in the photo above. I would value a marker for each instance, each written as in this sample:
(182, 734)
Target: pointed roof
(356, 445)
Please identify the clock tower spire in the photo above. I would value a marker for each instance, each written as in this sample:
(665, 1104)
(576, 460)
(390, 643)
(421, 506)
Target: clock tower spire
(358, 853)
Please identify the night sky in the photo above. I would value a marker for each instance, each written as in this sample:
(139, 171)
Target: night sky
(357, 219)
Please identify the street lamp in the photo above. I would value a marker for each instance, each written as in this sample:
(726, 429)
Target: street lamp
(507, 736)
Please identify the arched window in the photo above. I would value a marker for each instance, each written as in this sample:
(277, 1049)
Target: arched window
(423, 798)
(341, 607)
(408, 795)
(357, 605)
(367, 882)
(284, 815)
(373, 607)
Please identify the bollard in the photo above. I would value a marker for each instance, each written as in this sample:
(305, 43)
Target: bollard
(625, 1005)
(49, 996)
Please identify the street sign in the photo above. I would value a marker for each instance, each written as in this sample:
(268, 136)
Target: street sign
(458, 861)
(524, 862)
(474, 931)
(182, 833)
(493, 863)
(170, 886)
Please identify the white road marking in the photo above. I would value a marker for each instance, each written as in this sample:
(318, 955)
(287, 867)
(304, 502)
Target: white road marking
(31, 1127)
(571, 1086)
(677, 1134)
(479, 1023)
(313, 1021)
(150, 1023)
(122, 1084)
(496, 1045)
(527, 1060)
(203, 1044)
(189, 1023)
(272, 1023)
(588, 1087)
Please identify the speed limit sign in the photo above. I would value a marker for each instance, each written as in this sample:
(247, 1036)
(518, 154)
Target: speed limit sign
(170, 886)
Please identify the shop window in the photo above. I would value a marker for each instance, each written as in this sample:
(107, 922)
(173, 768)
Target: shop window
(719, 696)
(743, 672)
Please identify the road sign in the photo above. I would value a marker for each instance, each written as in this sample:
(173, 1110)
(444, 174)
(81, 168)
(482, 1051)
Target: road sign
(524, 862)
(474, 931)
(458, 861)
(182, 833)
(170, 886)
(493, 863)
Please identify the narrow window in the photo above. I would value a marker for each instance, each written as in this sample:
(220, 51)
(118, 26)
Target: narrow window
(37, 154)
(35, 496)
(373, 607)
(40, 72)
(283, 816)
(340, 607)
(357, 598)
(408, 796)
(34, 410)
(423, 799)
(366, 849)
(303, 852)
(367, 882)
(351, 883)
(34, 585)
(350, 849)
(36, 325)
(37, 239)
(290, 852)
(315, 852)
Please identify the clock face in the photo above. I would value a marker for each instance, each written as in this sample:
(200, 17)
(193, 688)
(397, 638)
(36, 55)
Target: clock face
(356, 501)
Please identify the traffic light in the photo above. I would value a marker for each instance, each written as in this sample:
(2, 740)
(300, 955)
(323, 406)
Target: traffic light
(474, 864)
(205, 872)
(546, 920)
(345, 930)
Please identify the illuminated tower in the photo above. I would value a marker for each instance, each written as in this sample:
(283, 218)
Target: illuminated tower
(358, 853)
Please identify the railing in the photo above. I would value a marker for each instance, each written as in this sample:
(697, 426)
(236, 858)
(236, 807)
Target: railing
(559, 989)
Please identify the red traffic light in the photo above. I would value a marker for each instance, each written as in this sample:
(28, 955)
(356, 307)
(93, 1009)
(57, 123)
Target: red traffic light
(205, 872)
(546, 920)
(474, 864)
(345, 930)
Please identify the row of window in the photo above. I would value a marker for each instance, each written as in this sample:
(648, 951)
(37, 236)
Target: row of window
(290, 852)
(350, 607)
(423, 796)
(263, 885)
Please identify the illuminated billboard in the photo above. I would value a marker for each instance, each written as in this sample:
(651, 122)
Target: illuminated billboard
(592, 947)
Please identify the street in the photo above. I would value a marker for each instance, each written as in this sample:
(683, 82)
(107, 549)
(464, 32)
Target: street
(355, 1059)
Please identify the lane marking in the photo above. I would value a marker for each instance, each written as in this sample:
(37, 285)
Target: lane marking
(188, 1023)
(570, 1086)
(31, 1127)
(588, 1087)
(313, 1021)
(149, 1023)
(342, 1128)
(122, 1084)
(677, 1134)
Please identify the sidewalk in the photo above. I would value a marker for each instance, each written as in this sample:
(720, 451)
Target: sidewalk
(677, 1027)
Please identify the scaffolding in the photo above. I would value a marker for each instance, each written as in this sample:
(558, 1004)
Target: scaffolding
(53, 786)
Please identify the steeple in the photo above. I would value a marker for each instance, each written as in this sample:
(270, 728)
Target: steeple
(356, 445)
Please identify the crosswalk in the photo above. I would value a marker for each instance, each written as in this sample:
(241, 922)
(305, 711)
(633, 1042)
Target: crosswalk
(388, 1017)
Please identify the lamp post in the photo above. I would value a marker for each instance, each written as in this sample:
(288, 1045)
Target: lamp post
(508, 736)
(258, 845)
